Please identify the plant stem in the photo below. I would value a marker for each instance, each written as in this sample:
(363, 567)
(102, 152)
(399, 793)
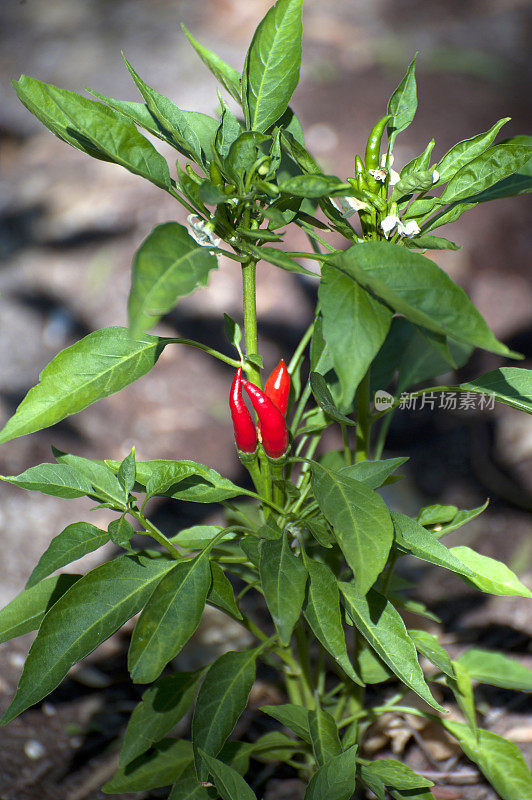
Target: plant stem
(300, 349)
(347, 449)
(250, 318)
(363, 419)
(199, 346)
(156, 534)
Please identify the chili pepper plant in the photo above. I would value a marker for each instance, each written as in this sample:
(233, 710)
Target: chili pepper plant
(306, 558)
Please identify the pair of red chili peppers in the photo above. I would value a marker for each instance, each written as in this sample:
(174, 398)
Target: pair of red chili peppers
(270, 406)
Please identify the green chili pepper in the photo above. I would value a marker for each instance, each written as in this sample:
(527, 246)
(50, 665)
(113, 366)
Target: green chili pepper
(373, 147)
(367, 197)
(216, 176)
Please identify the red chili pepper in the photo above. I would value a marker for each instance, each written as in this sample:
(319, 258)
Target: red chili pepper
(244, 427)
(272, 425)
(278, 387)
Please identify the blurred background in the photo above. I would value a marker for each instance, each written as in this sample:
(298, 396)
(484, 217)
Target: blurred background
(69, 227)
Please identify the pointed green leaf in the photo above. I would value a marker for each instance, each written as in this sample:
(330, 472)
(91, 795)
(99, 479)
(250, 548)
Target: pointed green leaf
(221, 700)
(414, 286)
(198, 537)
(283, 577)
(497, 162)
(292, 716)
(280, 259)
(498, 759)
(221, 592)
(464, 152)
(324, 398)
(169, 618)
(168, 265)
(99, 365)
(271, 70)
(187, 787)
(324, 736)
(73, 542)
(336, 779)
(93, 128)
(490, 575)
(413, 538)
(419, 162)
(428, 645)
(121, 532)
(26, 611)
(159, 767)
(381, 625)
(462, 517)
(360, 520)
(161, 707)
(431, 243)
(315, 186)
(322, 611)
(93, 609)
(496, 669)
(126, 473)
(105, 484)
(59, 480)
(230, 785)
(374, 473)
(510, 385)
(403, 104)
(393, 773)
(226, 75)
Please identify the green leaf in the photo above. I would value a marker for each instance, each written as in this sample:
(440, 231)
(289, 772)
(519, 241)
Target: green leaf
(393, 773)
(419, 162)
(490, 575)
(462, 688)
(25, 612)
(464, 152)
(275, 746)
(187, 787)
(230, 785)
(448, 215)
(73, 542)
(498, 759)
(184, 480)
(435, 514)
(93, 609)
(510, 385)
(496, 669)
(414, 286)
(138, 112)
(159, 767)
(402, 104)
(105, 484)
(228, 132)
(336, 779)
(127, 472)
(322, 612)
(361, 523)
(99, 365)
(226, 75)
(93, 128)
(121, 532)
(413, 538)
(176, 125)
(419, 181)
(428, 645)
(59, 480)
(291, 716)
(198, 537)
(161, 707)
(355, 325)
(461, 517)
(373, 473)
(381, 625)
(324, 398)
(315, 186)
(283, 577)
(271, 69)
(497, 162)
(280, 259)
(221, 592)
(324, 736)
(431, 243)
(370, 666)
(168, 265)
(169, 618)
(221, 700)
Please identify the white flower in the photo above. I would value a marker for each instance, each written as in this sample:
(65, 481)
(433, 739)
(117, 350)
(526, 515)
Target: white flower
(389, 223)
(435, 176)
(378, 174)
(202, 231)
(385, 159)
(410, 229)
(348, 205)
(394, 178)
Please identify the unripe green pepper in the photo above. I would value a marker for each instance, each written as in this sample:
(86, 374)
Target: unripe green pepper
(373, 149)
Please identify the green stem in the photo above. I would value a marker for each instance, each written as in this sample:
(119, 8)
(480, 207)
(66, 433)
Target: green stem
(306, 682)
(250, 318)
(303, 400)
(298, 354)
(156, 534)
(199, 346)
(347, 449)
(363, 419)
